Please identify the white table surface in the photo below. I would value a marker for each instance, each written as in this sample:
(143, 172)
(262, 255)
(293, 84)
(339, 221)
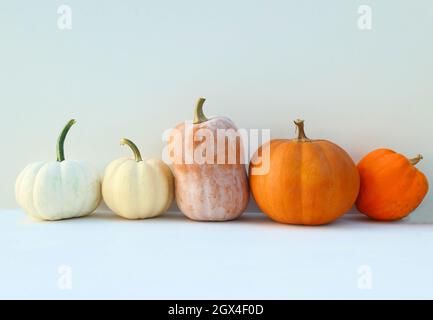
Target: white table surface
(170, 257)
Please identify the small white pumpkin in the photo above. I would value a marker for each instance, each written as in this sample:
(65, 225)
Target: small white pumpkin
(59, 189)
(137, 188)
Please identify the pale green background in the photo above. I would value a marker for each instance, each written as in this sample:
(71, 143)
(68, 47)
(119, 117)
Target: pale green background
(135, 68)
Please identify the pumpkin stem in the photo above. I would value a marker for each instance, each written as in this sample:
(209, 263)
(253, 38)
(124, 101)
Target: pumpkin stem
(134, 148)
(61, 140)
(301, 132)
(415, 160)
(199, 116)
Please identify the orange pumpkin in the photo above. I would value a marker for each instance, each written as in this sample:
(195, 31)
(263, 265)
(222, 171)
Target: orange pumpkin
(308, 182)
(211, 182)
(391, 186)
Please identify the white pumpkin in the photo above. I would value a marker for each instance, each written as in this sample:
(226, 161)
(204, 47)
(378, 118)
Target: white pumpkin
(137, 188)
(59, 189)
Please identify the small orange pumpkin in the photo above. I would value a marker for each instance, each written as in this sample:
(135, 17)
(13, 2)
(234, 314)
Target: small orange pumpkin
(391, 186)
(309, 182)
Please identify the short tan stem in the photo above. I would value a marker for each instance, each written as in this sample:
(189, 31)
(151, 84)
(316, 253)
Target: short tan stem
(133, 147)
(415, 160)
(301, 131)
(199, 116)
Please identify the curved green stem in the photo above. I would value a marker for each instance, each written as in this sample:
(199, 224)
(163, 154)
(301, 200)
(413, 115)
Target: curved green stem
(301, 132)
(415, 160)
(133, 147)
(61, 140)
(199, 116)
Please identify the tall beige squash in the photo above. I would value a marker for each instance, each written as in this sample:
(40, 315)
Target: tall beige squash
(210, 183)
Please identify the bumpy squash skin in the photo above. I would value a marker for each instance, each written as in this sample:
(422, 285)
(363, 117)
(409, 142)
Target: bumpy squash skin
(391, 186)
(209, 192)
(308, 183)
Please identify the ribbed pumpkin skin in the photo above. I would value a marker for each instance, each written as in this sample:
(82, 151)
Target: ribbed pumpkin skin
(138, 190)
(209, 192)
(58, 190)
(308, 183)
(391, 187)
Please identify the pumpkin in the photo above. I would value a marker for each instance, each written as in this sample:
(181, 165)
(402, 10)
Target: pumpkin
(306, 182)
(211, 183)
(59, 189)
(137, 188)
(391, 186)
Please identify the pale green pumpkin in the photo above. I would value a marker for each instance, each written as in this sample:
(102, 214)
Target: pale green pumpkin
(59, 189)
